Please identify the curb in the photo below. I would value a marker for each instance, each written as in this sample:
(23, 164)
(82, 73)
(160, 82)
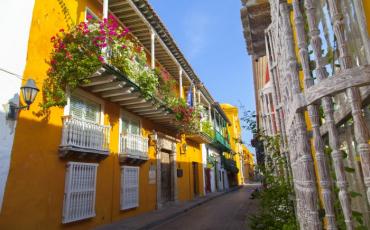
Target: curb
(172, 216)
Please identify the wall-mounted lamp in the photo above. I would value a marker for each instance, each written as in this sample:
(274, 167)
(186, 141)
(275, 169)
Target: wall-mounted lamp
(29, 92)
(153, 136)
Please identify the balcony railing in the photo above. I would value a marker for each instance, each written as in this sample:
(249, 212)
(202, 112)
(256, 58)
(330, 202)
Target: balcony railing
(221, 141)
(84, 136)
(134, 147)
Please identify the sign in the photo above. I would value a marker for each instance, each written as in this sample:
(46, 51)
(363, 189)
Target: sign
(152, 174)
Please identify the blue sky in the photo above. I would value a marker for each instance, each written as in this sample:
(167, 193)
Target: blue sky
(210, 34)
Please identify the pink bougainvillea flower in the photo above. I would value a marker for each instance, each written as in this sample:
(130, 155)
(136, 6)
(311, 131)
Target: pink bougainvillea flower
(101, 59)
(61, 30)
(68, 55)
(52, 39)
(125, 31)
(89, 17)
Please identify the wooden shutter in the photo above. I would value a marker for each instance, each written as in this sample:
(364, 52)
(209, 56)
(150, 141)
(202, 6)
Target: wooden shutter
(135, 127)
(76, 107)
(84, 109)
(80, 191)
(129, 187)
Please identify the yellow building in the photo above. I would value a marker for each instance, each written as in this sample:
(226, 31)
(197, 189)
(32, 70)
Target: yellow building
(237, 153)
(112, 151)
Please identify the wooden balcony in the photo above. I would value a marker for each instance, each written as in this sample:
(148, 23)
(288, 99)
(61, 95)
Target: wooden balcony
(220, 142)
(200, 136)
(133, 148)
(112, 85)
(84, 138)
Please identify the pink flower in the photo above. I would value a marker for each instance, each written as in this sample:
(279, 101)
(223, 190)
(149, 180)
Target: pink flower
(61, 30)
(52, 39)
(125, 31)
(89, 16)
(68, 55)
(101, 59)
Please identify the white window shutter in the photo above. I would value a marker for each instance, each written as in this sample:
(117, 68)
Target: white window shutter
(80, 191)
(76, 107)
(129, 187)
(84, 109)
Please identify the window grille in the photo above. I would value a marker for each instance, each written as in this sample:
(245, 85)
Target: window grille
(129, 187)
(80, 191)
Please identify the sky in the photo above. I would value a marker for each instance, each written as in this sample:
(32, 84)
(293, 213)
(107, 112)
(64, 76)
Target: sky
(210, 35)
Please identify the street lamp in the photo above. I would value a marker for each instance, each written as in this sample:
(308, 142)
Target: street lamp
(29, 92)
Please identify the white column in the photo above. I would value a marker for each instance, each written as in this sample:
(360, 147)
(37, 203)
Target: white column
(105, 8)
(199, 97)
(194, 96)
(152, 38)
(180, 82)
(209, 113)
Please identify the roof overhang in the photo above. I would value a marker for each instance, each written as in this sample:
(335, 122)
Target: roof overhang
(112, 85)
(256, 17)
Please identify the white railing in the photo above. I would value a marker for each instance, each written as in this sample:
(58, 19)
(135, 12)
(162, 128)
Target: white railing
(85, 134)
(134, 146)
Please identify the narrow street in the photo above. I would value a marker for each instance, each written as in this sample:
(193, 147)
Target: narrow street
(226, 212)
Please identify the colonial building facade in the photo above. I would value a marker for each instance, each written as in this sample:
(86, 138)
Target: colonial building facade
(316, 96)
(112, 151)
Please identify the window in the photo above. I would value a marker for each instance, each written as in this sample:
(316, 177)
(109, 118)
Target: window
(130, 126)
(129, 187)
(84, 109)
(90, 14)
(80, 190)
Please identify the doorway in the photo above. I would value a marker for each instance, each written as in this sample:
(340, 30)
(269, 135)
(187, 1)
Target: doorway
(195, 179)
(207, 173)
(166, 188)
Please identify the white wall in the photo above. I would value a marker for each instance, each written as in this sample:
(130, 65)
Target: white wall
(15, 22)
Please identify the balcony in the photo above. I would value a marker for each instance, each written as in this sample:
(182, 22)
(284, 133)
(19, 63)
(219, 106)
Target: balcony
(219, 141)
(111, 84)
(204, 135)
(133, 148)
(84, 138)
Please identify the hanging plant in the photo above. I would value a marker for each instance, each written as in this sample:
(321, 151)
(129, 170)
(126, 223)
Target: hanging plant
(77, 54)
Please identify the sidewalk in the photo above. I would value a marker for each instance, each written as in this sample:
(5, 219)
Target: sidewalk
(154, 218)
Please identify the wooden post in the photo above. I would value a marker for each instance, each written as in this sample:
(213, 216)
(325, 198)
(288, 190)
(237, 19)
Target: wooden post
(313, 111)
(306, 178)
(353, 95)
(180, 83)
(152, 49)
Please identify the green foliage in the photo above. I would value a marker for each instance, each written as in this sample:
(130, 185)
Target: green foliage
(207, 128)
(277, 206)
(132, 62)
(74, 59)
(77, 54)
(277, 196)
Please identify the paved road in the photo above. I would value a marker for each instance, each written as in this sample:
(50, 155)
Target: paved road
(226, 212)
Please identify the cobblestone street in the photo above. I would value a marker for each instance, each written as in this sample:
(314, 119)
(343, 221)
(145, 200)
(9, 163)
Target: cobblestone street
(230, 211)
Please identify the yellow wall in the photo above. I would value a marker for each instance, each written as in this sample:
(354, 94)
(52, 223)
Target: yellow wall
(234, 130)
(35, 188)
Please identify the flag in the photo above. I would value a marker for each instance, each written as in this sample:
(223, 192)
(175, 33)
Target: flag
(189, 96)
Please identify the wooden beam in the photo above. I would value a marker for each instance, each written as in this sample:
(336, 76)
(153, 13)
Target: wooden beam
(125, 97)
(117, 92)
(108, 86)
(98, 80)
(133, 102)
